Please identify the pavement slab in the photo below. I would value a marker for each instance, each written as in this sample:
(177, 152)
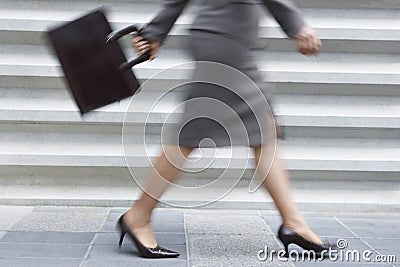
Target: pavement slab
(360, 232)
(55, 251)
(169, 229)
(162, 238)
(48, 237)
(86, 236)
(139, 262)
(39, 262)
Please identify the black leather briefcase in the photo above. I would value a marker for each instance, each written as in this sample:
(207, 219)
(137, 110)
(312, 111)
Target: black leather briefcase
(93, 62)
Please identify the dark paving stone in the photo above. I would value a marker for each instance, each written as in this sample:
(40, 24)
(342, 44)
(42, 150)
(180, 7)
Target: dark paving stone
(157, 210)
(333, 231)
(316, 215)
(138, 262)
(323, 221)
(273, 221)
(310, 217)
(356, 243)
(394, 251)
(375, 233)
(66, 251)
(235, 262)
(315, 222)
(170, 239)
(361, 216)
(48, 237)
(383, 243)
(345, 257)
(106, 238)
(170, 217)
(158, 217)
(119, 210)
(113, 217)
(328, 231)
(109, 227)
(353, 245)
(336, 264)
(32, 262)
(390, 257)
(128, 252)
(162, 239)
(162, 221)
(372, 223)
(168, 227)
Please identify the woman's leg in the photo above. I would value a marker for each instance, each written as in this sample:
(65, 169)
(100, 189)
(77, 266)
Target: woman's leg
(166, 169)
(276, 181)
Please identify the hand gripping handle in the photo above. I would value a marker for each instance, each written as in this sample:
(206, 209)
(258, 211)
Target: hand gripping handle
(114, 36)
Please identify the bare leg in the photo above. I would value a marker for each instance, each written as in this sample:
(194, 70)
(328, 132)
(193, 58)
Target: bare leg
(166, 169)
(277, 183)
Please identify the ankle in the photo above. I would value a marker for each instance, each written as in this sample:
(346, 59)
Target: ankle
(137, 218)
(295, 222)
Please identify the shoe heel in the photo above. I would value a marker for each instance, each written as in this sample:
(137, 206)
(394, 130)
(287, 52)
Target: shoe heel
(285, 241)
(121, 239)
(286, 246)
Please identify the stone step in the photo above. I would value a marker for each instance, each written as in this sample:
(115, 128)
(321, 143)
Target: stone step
(24, 129)
(318, 154)
(124, 4)
(379, 74)
(321, 18)
(349, 199)
(46, 4)
(300, 115)
(30, 54)
(167, 102)
(371, 30)
(364, 4)
(111, 176)
(340, 112)
(356, 9)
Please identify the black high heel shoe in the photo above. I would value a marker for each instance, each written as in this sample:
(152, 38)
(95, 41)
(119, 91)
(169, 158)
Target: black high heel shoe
(288, 236)
(157, 252)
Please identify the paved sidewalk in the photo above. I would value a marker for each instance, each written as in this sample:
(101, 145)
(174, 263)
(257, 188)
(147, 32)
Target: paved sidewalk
(86, 236)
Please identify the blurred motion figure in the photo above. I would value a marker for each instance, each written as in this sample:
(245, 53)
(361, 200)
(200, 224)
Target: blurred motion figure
(223, 32)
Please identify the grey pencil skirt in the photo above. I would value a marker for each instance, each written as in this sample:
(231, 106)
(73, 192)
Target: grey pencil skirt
(227, 102)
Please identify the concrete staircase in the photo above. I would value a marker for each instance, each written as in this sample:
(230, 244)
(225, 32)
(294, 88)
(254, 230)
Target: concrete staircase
(340, 111)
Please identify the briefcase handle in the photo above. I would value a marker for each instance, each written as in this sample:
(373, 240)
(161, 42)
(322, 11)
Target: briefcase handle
(114, 36)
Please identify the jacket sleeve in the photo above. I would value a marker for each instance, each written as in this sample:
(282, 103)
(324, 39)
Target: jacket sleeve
(158, 29)
(286, 14)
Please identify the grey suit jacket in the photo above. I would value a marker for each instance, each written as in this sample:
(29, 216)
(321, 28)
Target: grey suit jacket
(237, 18)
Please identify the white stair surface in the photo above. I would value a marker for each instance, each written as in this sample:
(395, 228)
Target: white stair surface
(340, 112)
